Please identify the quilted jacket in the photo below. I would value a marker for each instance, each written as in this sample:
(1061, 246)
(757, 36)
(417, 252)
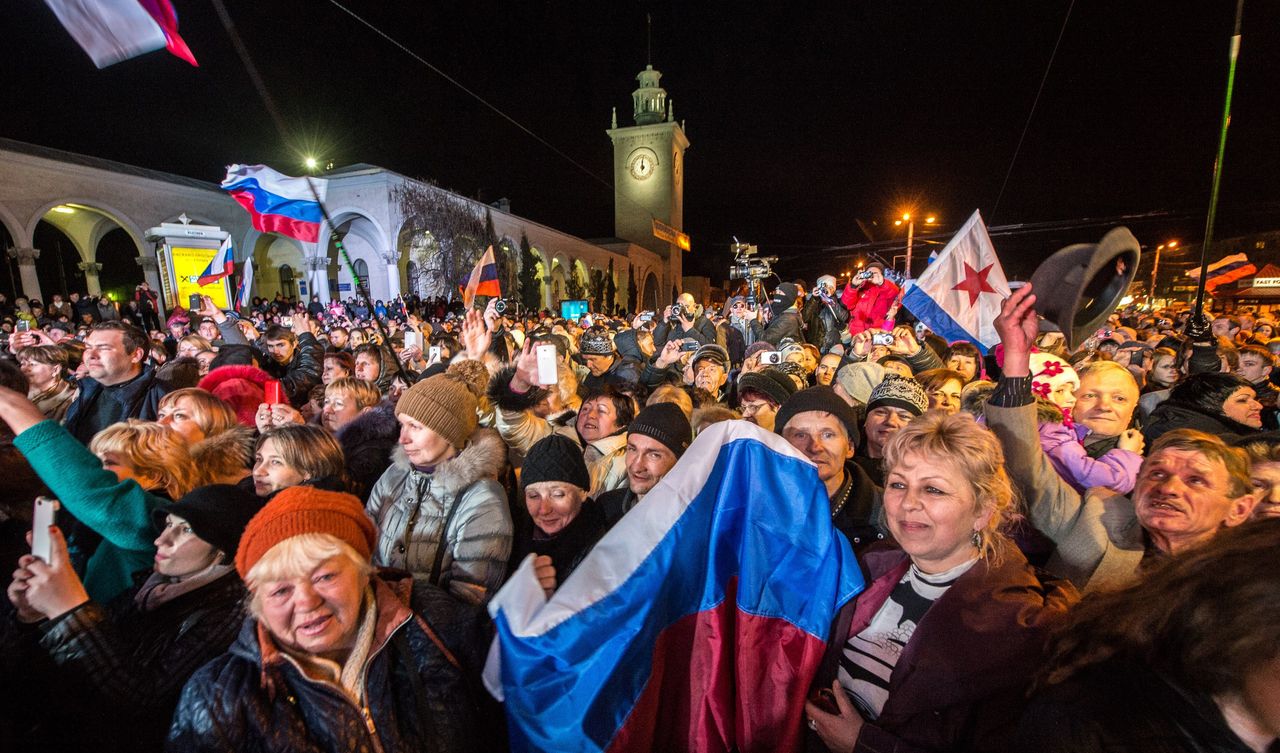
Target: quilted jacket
(412, 507)
(254, 699)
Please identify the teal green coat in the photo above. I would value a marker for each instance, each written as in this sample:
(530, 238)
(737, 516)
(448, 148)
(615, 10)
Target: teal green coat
(120, 511)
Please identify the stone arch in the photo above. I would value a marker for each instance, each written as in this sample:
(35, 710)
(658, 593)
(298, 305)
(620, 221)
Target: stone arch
(543, 265)
(650, 292)
(420, 253)
(365, 239)
(271, 253)
(510, 248)
(12, 227)
(559, 287)
(90, 229)
(83, 223)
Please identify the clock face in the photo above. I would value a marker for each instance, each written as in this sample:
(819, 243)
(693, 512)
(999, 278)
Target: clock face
(642, 163)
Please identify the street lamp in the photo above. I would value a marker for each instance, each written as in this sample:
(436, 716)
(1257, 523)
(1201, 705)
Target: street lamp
(911, 231)
(1155, 266)
(311, 163)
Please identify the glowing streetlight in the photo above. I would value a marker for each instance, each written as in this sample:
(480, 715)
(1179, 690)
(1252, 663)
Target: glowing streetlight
(911, 232)
(311, 163)
(1155, 265)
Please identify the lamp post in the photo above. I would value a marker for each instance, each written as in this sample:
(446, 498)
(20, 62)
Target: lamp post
(911, 232)
(1155, 266)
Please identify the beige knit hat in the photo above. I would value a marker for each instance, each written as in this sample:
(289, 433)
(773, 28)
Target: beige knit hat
(443, 404)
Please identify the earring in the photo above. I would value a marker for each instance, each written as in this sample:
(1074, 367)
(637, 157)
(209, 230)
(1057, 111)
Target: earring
(976, 540)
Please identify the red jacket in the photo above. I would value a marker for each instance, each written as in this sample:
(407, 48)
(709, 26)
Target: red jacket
(868, 304)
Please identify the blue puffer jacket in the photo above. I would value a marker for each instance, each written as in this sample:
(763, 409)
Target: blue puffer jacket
(254, 698)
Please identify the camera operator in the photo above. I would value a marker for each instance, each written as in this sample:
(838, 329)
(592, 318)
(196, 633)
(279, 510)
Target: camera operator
(825, 316)
(869, 298)
(785, 316)
(682, 321)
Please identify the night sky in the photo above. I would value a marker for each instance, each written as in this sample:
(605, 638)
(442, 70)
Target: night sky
(804, 118)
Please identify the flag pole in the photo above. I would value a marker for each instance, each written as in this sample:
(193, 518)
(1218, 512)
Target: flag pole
(360, 288)
(1198, 313)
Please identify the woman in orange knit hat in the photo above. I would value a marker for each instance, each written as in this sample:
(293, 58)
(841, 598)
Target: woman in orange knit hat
(335, 655)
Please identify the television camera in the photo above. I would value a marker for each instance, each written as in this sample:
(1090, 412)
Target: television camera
(748, 265)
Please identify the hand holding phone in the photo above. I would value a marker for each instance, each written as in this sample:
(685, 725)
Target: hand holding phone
(547, 373)
(273, 392)
(42, 517)
(433, 354)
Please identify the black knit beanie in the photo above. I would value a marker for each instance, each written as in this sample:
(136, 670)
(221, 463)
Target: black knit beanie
(217, 513)
(770, 382)
(666, 423)
(818, 399)
(555, 458)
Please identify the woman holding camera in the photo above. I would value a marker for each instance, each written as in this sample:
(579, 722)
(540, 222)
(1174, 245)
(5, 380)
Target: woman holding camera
(869, 298)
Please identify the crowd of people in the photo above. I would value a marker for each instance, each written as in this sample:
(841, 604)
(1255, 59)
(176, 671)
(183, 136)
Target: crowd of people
(278, 529)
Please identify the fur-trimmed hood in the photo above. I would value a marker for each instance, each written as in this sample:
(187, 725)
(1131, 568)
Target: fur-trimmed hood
(373, 426)
(223, 456)
(501, 395)
(485, 456)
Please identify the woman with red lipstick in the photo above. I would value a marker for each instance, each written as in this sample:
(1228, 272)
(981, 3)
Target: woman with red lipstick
(107, 677)
(939, 649)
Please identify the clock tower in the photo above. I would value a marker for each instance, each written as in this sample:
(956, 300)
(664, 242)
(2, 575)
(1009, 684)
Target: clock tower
(648, 173)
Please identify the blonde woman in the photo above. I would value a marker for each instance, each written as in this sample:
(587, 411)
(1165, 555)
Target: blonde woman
(938, 651)
(45, 367)
(109, 495)
(334, 650)
(220, 446)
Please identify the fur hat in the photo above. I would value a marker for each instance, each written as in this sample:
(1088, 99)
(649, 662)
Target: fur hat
(555, 457)
(241, 387)
(898, 392)
(305, 509)
(443, 403)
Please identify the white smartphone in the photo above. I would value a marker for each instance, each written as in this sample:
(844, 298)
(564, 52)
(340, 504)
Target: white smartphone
(411, 339)
(433, 354)
(547, 374)
(41, 519)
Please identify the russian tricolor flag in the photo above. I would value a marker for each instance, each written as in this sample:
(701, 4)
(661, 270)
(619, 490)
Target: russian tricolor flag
(278, 203)
(959, 294)
(696, 624)
(221, 265)
(1226, 270)
(483, 279)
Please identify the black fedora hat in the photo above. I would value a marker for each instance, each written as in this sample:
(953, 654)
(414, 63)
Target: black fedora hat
(1080, 285)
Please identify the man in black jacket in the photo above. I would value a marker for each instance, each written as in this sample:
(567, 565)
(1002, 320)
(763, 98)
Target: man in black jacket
(683, 321)
(296, 358)
(785, 321)
(121, 383)
(825, 317)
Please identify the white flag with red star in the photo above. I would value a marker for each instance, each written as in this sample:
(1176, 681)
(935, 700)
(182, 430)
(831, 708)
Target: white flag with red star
(959, 295)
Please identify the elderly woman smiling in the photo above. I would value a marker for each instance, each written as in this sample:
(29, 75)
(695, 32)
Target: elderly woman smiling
(938, 651)
(335, 656)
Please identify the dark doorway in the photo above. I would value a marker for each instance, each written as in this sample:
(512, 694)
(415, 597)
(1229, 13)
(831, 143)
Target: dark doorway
(57, 268)
(118, 255)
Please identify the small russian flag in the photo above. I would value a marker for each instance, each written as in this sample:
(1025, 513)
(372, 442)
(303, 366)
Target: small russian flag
(221, 265)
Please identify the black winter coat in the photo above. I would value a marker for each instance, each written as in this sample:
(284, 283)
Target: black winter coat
(826, 322)
(367, 443)
(1170, 415)
(139, 398)
(570, 546)
(1122, 707)
(785, 325)
(418, 692)
(302, 373)
(108, 678)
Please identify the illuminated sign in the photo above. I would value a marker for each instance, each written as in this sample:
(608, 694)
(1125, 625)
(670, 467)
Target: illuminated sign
(1266, 282)
(663, 231)
(186, 266)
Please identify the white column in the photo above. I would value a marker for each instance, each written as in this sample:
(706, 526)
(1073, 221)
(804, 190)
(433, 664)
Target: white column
(318, 277)
(27, 269)
(392, 260)
(151, 273)
(91, 270)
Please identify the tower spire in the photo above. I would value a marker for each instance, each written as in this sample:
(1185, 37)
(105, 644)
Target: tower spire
(648, 23)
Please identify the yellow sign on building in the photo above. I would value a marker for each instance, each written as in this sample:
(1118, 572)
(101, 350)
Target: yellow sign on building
(188, 263)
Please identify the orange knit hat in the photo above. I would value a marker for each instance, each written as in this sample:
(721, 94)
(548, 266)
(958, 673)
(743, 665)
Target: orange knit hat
(305, 509)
